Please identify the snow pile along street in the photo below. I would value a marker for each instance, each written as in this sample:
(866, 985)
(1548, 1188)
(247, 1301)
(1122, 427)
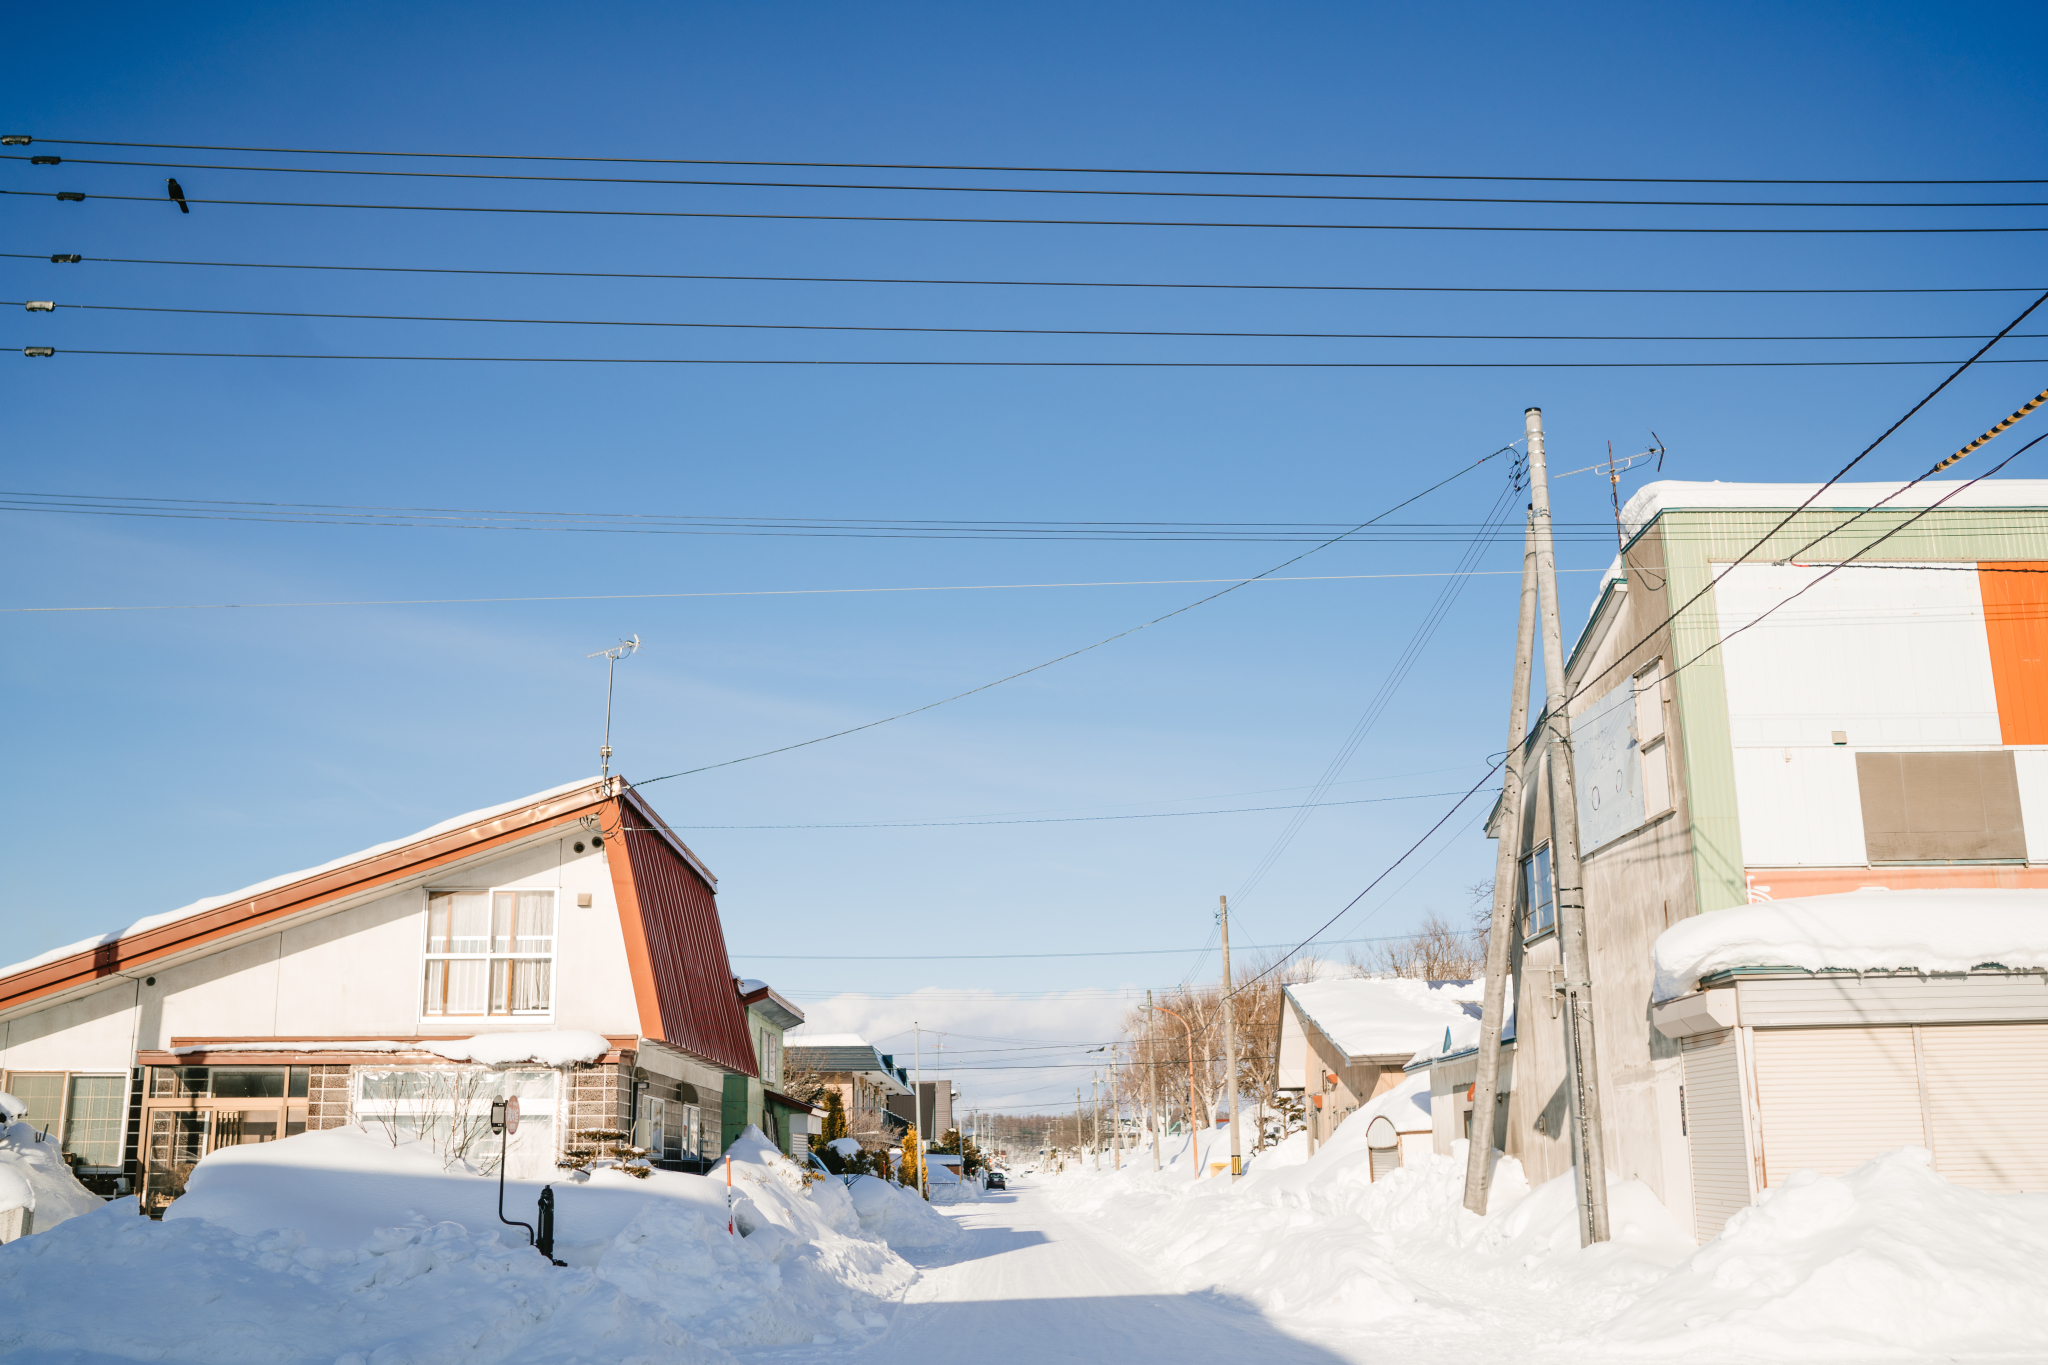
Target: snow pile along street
(1887, 1262)
(272, 1240)
(34, 1174)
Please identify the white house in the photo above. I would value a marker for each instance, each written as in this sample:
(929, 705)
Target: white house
(565, 947)
(1344, 1042)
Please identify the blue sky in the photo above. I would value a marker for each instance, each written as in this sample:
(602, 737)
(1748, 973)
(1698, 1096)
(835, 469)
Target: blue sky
(158, 756)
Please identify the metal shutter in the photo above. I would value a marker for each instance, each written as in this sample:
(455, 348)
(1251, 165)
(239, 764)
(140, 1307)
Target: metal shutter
(1831, 1099)
(1987, 1101)
(1714, 1131)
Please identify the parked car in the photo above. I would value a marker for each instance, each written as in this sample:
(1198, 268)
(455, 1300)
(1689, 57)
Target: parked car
(997, 1181)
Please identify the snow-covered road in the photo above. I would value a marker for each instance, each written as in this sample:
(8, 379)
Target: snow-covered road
(1032, 1283)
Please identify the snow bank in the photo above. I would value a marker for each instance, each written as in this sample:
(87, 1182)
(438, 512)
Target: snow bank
(34, 1174)
(270, 1239)
(900, 1217)
(1870, 930)
(1888, 1262)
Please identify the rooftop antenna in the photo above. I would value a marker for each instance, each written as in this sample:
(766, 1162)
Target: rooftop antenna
(611, 657)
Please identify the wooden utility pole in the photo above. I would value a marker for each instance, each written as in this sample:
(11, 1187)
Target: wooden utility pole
(1229, 1038)
(1582, 1071)
(1507, 870)
(1152, 1085)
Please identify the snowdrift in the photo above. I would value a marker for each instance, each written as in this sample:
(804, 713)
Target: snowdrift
(34, 1174)
(1887, 1262)
(271, 1241)
(900, 1217)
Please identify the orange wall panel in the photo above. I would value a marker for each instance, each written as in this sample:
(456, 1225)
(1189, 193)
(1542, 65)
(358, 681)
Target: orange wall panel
(2016, 624)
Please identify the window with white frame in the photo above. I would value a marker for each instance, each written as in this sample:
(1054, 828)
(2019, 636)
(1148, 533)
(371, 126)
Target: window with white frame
(1540, 901)
(768, 1051)
(490, 952)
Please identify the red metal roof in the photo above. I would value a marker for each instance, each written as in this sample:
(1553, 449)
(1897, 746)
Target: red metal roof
(681, 976)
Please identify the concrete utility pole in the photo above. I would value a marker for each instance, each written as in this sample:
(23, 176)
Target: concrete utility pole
(1158, 1124)
(1116, 1113)
(1582, 1078)
(1229, 1038)
(1507, 869)
(1095, 1115)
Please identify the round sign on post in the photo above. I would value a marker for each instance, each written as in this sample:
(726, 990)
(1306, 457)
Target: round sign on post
(512, 1115)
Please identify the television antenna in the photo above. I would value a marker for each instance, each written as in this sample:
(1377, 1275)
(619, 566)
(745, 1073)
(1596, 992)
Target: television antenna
(621, 650)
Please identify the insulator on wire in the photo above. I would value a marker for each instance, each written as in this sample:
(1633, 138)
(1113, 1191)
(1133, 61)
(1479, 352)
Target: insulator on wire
(15, 140)
(35, 351)
(72, 195)
(66, 258)
(46, 161)
(41, 305)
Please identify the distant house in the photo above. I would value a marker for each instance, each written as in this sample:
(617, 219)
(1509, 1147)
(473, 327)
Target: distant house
(866, 1078)
(1345, 1041)
(933, 1112)
(564, 948)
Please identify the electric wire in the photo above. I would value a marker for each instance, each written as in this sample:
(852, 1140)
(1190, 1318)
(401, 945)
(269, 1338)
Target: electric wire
(1032, 170)
(1013, 284)
(1383, 696)
(1007, 957)
(1078, 819)
(965, 219)
(1990, 434)
(1851, 560)
(1121, 192)
(818, 362)
(764, 592)
(1021, 331)
(1957, 373)
(1178, 611)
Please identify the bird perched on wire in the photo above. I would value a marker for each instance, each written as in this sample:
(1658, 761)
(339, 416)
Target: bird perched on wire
(178, 195)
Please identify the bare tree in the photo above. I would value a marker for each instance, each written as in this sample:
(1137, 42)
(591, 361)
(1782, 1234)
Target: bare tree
(1437, 951)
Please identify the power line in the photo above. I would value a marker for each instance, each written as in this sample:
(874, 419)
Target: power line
(1045, 364)
(1974, 359)
(711, 214)
(1383, 695)
(1019, 331)
(1080, 819)
(1011, 284)
(370, 516)
(1005, 957)
(1027, 170)
(918, 710)
(765, 592)
(1119, 192)
(1386, 872)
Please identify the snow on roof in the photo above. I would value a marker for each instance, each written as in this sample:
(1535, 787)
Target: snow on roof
(1868, 930)
(1671, 495)
(200, 907)
(1381, 1016)
(824, 1040)
(552, 1047)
